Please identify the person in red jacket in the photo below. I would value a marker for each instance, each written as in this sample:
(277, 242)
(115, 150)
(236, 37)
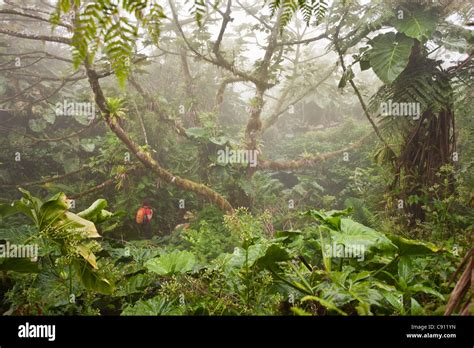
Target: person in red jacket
(143, 219)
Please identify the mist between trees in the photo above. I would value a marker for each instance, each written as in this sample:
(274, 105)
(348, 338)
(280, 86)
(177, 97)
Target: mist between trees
(290, 157)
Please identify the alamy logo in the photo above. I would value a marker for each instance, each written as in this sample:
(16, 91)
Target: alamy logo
(71, 108)
(345, 251)
(237, 156)
(19, 251)
(392, 108)
(37, 331)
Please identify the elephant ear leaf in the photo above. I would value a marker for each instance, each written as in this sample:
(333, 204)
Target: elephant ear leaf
(418, 24)
(354, 233)
(177, 262)
(409, 247)
(389, 55)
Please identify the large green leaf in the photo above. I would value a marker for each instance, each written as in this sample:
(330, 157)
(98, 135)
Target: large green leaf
(134, 284)
(405, 269)
(263, 255)
(394, 298)
(17, 235)
(346, 76)
(87, 145)
(416, 308)
(176, 262)
(426, 290)
(407, 247)
(154, 306)
(220, 140)
(37, 125)
(389, 55)
(240, 256)
(87, 254)
(53, 210)
(49, 116)
(355, 234)
(330, 218)
(417, 23)
(274, 253)
(92, 280)
(198, 133)
(19, 207)
(81, 225)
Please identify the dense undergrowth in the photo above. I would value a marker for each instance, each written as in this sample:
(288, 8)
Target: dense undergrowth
(226, 265)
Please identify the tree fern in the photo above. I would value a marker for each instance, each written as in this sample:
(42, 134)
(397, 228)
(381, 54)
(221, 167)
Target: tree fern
(425, 84)
(107, 26)
(199, 10)
(308, 8)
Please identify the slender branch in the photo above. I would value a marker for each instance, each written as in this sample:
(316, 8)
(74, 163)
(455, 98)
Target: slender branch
(250, 13)
(104, 184)
(42, 19)
(50, 38)
(305, 41)
(20, 67)
(270, 121)
(354, 87)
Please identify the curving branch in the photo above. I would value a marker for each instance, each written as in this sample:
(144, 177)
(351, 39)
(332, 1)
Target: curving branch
(144, 156)
(309, 161)
(104, 184)
(221, 90)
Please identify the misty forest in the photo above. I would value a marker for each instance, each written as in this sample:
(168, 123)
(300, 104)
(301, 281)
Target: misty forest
(236, 157)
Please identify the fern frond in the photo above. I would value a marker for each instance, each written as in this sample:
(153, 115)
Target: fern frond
(108, 26)
(289, 8)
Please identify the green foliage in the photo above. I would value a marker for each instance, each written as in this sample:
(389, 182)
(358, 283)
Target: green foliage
(416, 23)
(199, 9)
(408, 247)
(389, 55)
(208, 240)
(173, 263)
(265, 259)
(308, 8)
(261, 273)
(348, 75)
(425, 84)
(107, 27)
(64, 240)
(116, 107)
(153, 306)
(94, 209)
